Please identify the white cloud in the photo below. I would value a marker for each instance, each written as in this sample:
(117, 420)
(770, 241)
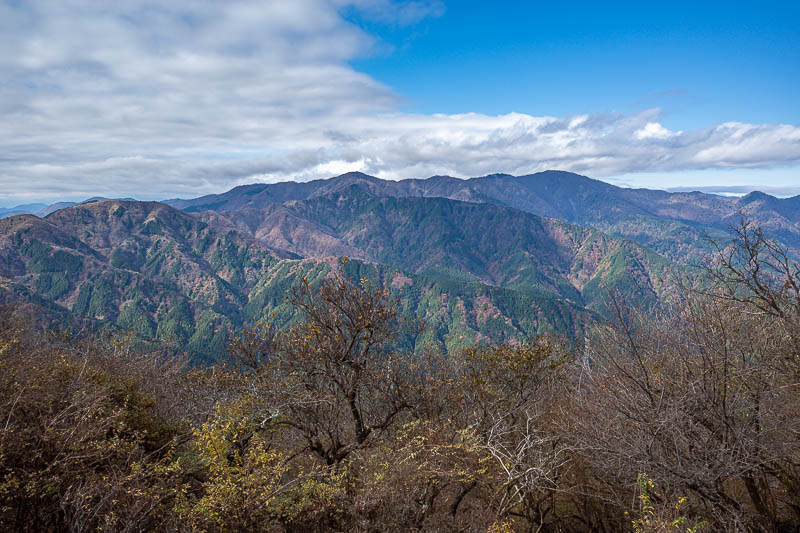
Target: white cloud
(654, 130)
(153, 99)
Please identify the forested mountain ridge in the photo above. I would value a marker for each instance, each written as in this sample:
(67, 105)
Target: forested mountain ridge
(669, 223)
(171, 276)
(140, 265)
(468, 257)
(465, 241)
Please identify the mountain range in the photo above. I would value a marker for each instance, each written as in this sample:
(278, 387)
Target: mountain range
(42, 210)
(674, 224)
(487, 259)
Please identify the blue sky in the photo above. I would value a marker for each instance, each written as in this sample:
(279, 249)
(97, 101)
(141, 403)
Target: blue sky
(701, 62)
(153, 100)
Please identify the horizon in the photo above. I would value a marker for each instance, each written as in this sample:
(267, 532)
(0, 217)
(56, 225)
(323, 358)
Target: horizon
(156, 102)
(729, 192)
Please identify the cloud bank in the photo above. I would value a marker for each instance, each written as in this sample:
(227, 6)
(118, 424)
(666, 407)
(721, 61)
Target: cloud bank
(175, 98)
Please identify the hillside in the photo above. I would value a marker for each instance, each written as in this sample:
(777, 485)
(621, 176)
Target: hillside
(463, 241)
(470, 258)
(673, 224)
(168, 275)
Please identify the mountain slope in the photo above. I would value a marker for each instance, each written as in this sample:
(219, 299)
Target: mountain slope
(464, 241)
(143, 266)
(673, 224)
(168, 275)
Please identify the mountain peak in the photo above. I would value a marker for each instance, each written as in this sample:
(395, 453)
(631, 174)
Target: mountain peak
(562, 175)
(357, 175)
(755, 196)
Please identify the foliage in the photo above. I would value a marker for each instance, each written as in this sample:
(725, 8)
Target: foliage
(667, 518)
(81, 446)
(679, 418)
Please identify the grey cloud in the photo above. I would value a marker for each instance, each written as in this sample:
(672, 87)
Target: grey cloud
(172, 98)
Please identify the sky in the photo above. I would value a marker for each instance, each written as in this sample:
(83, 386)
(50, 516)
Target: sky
(172, 98)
